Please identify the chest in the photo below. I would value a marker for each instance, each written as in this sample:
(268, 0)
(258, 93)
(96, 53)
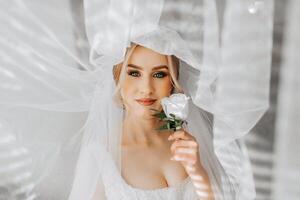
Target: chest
(150, 168)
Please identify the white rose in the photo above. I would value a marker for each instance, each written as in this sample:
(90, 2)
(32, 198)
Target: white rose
(176, 104)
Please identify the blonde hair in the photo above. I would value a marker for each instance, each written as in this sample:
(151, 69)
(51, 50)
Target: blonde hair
(119, 72)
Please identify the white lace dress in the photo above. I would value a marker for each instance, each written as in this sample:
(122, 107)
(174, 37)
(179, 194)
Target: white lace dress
(116, 187)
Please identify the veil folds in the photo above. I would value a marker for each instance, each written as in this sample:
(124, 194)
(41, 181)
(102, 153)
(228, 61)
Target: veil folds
(57, 85)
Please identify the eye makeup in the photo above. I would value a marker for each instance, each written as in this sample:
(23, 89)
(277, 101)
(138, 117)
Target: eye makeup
(134, 73)
(160, 74)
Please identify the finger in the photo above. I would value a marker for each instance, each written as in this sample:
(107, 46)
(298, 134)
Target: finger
(181, 150)
(180, 135)
(184, 143)
(190, 168)
(188, 159)
(188, 155)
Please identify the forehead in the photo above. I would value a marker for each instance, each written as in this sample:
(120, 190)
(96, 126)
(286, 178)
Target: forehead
(147, 58)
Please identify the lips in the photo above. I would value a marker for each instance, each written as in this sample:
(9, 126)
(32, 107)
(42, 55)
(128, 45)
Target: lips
(146, 101)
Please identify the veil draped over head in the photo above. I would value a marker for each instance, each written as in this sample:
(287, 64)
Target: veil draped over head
(58, 119)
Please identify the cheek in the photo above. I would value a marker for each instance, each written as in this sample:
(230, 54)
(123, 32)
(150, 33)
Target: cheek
(127, 90)
(163, 88)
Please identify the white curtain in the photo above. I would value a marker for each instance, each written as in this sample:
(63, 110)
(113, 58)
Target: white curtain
(287, 136)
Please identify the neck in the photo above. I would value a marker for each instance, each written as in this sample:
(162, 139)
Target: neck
(140, 132)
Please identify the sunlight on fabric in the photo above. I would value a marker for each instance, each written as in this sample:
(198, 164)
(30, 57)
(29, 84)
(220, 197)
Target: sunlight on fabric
(255, 6)
(7, 73)
(15, 167)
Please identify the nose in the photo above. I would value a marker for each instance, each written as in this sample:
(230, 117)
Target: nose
(146, 86)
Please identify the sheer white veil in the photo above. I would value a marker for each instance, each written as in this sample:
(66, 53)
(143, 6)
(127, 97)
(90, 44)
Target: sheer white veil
(68, 94)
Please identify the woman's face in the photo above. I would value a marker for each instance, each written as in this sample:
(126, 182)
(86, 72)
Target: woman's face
(147, 81)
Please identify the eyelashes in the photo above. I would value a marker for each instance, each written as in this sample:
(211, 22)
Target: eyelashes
(135, 73)
(160, 74)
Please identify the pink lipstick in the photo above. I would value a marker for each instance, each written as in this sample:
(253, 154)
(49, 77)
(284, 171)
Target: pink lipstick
(146, 101)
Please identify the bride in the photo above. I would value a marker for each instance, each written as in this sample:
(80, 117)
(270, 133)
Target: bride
(130, 158)
(122, 61)
(122, 155)
(153, 159)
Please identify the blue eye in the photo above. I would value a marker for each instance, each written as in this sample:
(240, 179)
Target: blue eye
(134, 73)
(160, 75)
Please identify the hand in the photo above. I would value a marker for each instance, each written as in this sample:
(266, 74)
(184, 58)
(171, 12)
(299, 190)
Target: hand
(185, 149)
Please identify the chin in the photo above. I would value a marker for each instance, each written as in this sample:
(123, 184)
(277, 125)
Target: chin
(144, 113)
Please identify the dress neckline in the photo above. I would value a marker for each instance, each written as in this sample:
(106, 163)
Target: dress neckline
(185, 181)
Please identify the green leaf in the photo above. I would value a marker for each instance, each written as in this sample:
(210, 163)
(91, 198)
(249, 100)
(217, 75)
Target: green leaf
(168, 125)
(172, 123)
(163, 127)
(178, 120)
(160, 115)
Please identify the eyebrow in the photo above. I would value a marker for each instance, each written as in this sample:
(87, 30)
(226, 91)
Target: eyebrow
(154, 68)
